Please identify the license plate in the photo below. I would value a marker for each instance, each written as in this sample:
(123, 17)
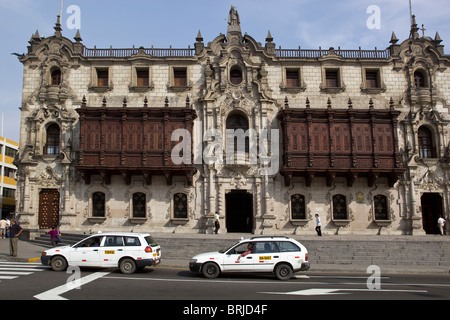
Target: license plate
(265, 258)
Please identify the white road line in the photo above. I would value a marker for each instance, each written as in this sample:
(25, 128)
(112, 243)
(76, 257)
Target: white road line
(18, 273)
(20, 269)
(55, 293)
(8, 277)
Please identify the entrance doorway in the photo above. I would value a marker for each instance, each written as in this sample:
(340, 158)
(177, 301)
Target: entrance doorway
(431, 211)
(239, 211)
(48, 208)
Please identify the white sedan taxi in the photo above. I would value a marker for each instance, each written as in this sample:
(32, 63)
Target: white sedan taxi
(127, 251)
(279, 255)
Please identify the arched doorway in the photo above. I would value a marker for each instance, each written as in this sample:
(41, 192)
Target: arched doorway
(239, 211)
(431, 211)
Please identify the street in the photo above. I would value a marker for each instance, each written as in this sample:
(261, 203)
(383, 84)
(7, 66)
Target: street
(31, 281)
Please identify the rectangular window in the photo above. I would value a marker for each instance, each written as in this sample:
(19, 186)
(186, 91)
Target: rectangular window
(102, 77)
(180, 209)
(142, 77)
(298, 207)
(10, 152)
(98, 204)
(292, 78)
(332, 78)
(339, 207)
(372, 79)
(180, 77)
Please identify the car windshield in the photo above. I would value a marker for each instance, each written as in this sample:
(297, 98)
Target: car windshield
(225, 250)
(89, 242)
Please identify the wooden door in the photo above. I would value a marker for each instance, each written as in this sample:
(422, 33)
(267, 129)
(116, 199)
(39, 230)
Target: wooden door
(48, 208)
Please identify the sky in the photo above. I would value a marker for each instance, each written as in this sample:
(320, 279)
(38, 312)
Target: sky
(310, 24)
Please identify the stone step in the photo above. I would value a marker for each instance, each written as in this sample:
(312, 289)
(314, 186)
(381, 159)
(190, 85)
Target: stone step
(333, 251)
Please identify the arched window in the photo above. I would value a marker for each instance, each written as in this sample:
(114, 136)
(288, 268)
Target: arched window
(426, 146)
(235, 75)
(98, 204)
(339, 207)
(56, 77)
(52, 142)
(380, 205)
(237, 130)
(139, 205)
(420, 79)
(180, 206)
(298, 207)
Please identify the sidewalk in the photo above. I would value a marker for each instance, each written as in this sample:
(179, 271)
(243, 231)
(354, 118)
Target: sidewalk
(26, 251)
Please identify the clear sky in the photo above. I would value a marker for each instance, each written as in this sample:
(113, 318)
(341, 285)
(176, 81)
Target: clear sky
(122, 24)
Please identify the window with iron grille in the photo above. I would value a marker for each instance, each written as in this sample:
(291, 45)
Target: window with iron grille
(298, 206)
(381, 207)
(339, 207)
(139, 204)
(98, 204)
(180, 206)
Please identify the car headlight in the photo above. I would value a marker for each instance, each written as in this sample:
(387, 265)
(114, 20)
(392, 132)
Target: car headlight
(44, 253)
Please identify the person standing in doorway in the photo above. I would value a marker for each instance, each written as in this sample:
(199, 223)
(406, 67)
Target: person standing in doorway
(318, 226)
(216, 223)
(14, 232)
(441, 224)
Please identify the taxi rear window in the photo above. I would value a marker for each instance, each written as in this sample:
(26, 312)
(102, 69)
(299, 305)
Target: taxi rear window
(150, 241)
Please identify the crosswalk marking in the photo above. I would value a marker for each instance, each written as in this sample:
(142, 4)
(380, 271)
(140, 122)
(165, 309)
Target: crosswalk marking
(13, 270)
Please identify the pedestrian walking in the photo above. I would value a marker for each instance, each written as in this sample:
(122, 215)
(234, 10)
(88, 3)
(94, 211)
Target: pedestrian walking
(216, 223)
(3, 228)
(14, 232)
(441, 224)
(318, 226)
(55, 236)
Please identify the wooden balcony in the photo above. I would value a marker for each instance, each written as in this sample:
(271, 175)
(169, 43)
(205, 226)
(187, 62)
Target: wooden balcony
(346, 143)
(131, 141)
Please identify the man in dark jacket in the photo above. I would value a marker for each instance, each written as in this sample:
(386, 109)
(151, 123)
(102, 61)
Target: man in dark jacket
(14, 231)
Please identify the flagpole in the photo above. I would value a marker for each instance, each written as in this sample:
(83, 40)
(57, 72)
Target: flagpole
(410, 11)
(60, 12)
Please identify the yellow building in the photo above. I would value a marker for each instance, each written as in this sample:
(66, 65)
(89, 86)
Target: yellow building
(8, 171)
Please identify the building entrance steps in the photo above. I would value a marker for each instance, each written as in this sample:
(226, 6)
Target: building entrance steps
(350, 253)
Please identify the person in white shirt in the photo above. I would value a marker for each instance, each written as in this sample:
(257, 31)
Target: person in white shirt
(441, 224)
(3, 228)
(318, 226)
(216, 222)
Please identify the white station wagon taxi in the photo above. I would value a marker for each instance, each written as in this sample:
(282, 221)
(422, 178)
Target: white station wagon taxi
(279, 255)
(127, 251)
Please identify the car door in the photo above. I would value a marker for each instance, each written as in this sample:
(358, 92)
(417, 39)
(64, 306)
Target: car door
(266, 256)
(86, 252)
(111, 251)
(233, 262)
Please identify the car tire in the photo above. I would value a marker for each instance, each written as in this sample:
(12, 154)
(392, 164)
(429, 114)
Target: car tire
(210, 270)
(58, 263)
(127, 266)
(283, 271)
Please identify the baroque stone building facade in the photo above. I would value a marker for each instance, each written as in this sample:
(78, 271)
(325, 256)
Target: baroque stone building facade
(359, 137)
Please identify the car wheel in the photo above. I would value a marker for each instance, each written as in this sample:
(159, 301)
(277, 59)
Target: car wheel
(210, 270)
(58, 264)
(283, 271)
(127, 266)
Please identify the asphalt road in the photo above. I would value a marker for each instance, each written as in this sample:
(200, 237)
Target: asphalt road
(239, 294)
